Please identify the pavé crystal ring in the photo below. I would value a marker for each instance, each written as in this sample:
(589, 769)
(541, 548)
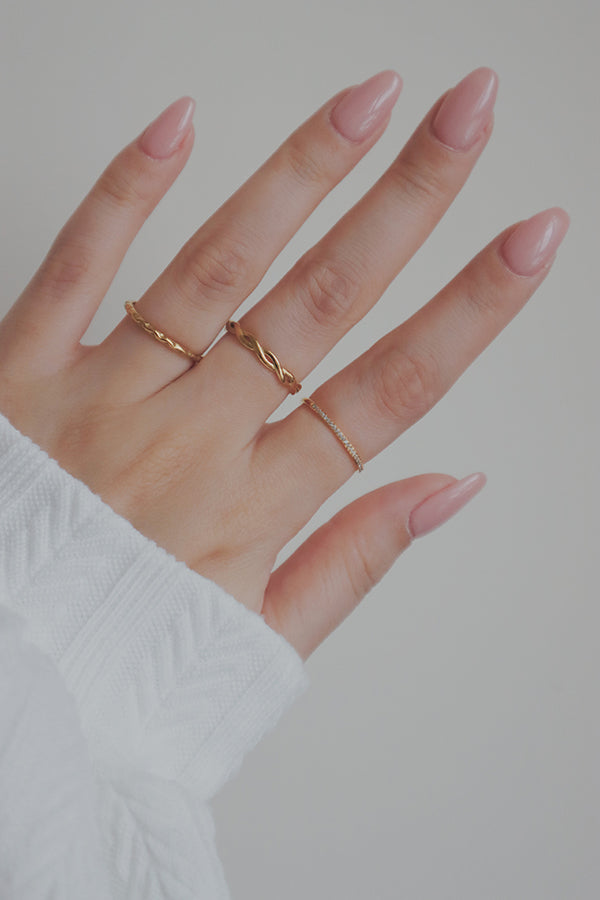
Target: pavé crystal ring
(348, 447)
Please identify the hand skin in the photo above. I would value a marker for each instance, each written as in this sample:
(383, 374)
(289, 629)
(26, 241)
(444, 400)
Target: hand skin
(182, 450)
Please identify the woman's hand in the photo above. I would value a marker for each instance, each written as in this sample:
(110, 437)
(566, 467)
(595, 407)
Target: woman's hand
(181, 449)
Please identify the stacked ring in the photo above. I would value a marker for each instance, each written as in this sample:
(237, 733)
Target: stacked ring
(266, 357)
(348, 447)
(159, 335)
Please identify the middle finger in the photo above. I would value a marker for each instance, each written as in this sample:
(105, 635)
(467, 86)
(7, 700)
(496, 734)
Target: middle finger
(338, 280)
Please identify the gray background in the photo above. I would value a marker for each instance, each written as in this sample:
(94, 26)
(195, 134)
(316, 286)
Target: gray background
(449, 744)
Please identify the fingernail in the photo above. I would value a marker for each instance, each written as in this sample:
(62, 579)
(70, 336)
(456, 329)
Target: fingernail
(533, 243)
(466, 110)
(163, 136)
(360, 112)
(440, 507)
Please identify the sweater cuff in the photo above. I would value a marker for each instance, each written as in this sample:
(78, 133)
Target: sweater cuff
(168, 671)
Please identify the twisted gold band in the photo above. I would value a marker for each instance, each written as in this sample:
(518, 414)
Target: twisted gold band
(158, 335)
(268, 359)
(348, 447)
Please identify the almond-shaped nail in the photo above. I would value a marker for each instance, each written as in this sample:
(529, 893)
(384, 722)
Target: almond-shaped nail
(440, 507)
(166, 134)
(361, 111)
(466, 110)
(533, 243)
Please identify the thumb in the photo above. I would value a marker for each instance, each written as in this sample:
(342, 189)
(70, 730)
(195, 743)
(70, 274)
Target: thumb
(314, 590)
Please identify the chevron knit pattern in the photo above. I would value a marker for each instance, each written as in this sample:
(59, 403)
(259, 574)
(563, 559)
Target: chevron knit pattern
(172, 680)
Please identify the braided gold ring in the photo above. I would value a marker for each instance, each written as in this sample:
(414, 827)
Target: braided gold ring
(266, 357)
(348, 447)
(159, 335)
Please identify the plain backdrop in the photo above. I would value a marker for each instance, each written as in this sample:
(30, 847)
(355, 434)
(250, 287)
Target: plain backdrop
(449, 745)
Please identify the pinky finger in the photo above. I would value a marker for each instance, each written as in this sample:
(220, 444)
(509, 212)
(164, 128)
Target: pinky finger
(314, 590)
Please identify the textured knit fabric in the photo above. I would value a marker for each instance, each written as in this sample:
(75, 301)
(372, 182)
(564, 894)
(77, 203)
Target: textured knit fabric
(131, 688)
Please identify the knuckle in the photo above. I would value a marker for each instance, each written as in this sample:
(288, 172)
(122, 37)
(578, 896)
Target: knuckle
(406, 385)
(219, 267)
(138, 473)
(363, 574)
(420, 182)
(66, 266)
(481, 295)
(329, 291)
(118, 185)
(167, 460)
(303, 164)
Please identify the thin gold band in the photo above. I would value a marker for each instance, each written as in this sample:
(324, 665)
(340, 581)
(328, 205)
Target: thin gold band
(348, 447)
(266, 357)
(159, 335)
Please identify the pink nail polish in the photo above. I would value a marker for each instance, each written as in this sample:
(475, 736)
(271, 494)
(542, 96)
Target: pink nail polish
(361, 111)
(533, 243)
(163, 136)
(466, 110)
(440, 507)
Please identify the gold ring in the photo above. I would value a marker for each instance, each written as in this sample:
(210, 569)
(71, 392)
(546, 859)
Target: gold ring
(266, 357)
(348, 447)
(158, 335)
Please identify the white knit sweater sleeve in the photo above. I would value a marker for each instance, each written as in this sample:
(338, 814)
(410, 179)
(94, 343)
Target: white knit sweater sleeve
(50, 839)
(172, 679)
